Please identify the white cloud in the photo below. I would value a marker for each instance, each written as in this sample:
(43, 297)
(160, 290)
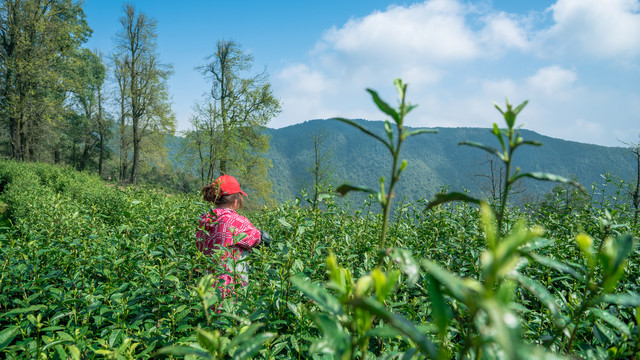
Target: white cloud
(459, 58)
(433, 30)
(503, 31)
(602, 29)
(552, 81)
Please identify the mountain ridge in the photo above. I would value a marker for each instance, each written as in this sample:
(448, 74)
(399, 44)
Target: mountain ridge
(434, 160)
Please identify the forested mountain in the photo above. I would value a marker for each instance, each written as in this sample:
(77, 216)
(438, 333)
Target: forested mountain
(435, 160)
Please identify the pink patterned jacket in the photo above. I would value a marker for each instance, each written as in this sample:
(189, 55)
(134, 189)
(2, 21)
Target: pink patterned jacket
(218, 228)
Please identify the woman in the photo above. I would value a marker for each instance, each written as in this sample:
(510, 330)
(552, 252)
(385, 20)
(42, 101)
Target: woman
(222, 229)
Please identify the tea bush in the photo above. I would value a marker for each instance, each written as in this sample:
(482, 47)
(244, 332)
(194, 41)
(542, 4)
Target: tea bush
(90, 270)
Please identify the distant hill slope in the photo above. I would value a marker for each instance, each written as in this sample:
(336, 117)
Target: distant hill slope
(435, 160)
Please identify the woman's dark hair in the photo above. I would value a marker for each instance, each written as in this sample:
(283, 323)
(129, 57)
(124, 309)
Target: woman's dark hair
(212, 194)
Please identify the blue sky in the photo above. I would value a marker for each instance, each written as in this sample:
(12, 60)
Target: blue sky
(576, 61)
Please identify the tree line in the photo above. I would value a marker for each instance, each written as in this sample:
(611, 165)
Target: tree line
(111, 113)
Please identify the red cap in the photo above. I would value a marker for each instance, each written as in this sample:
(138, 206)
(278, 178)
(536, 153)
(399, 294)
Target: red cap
(228, 185)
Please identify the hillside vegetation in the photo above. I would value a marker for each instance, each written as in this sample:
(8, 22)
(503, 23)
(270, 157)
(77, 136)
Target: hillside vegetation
(436, 161)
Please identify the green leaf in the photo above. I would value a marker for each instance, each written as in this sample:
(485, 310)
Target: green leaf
(345, 188)
(402, 324)
(322, 297)
(407, 264)
(550, 177)
(555, 264)
(384, 331)
(383, 106)
(517, 110)
(626, 299)
(460, 289)
(53, 343)
(389, 131)
(440, 310)
(208, 341)
(250, 347)
(184, 351)
(335, 341)
(530, 142)
(29, 309)
(504, 327)
(541, 293)
(285, 223)
(449, 197)
(243, 337)
(113, 338)
(498, 135)
(484, 147)
(366, 131)
(7, 335)
(421, 131)
(611, 320)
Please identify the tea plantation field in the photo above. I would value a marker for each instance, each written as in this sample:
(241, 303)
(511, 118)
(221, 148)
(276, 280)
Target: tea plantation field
(92, 270)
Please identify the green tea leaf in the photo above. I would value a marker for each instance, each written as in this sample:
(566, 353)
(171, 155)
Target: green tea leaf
(421, 131)
(383, 106)
(611, 320)
(461, 289)
(7, 335)
(322, 297)
(334, 341)
(449, 197)
(519, 108)
(252, 345)
(626, 299)
(440, 310)
(541, 293)
(29, 309)
(550, 177)
(555, 264)
(408, 265)
(402, 324)
(345, 188)
(184, 351)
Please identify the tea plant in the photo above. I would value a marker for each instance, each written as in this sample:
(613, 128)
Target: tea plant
(393, 144)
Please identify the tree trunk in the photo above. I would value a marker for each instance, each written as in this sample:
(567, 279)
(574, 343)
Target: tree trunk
(136, 154)
(100, 131)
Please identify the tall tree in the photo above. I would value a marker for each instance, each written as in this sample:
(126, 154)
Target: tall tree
(238, 107)
(88, 126)
(146, 96)
(321, 168)
(634, 188)
(37, 38)
(120, 78)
